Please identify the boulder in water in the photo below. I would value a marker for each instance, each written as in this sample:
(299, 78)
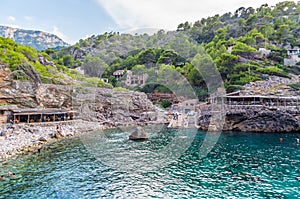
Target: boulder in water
(139, 134)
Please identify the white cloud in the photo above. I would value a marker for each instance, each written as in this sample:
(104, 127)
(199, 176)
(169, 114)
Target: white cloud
(28, 18)
(58, 33)
(11, 19)
(168, 14)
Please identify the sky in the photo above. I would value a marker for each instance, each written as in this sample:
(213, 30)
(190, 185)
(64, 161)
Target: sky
(72, 20)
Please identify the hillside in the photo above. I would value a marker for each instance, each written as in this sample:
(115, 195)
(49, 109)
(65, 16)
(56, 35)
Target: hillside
(246, 45)
(24, 63)
(36, 39)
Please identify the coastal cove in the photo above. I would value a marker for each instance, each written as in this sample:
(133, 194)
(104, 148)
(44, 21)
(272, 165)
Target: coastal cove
(241, 164)
(208, 108)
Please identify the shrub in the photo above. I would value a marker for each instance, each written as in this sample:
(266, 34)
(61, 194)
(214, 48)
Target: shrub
(166, 104)
(273, 70)
(295, 86)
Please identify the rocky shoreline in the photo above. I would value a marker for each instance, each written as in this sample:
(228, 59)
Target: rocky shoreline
(94, 109)
(255, 119)
(30, 138)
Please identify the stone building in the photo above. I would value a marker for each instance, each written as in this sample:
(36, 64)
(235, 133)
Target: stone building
(31, 115)
(293, 57)
(135, 80)
(185, 107)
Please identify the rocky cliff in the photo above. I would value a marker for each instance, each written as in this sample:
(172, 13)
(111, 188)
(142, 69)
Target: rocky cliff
(106, 106)
(36, 39)
(257, 119)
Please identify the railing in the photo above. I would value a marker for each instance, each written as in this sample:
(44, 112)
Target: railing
(52, 123)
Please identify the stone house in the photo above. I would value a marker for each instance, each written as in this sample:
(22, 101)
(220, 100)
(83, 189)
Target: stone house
(185, 107)
(293, 57)
(135, 80)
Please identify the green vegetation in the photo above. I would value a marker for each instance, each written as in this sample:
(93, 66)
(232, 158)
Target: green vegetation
(167, 53)
(295, 86)
(229, 42)
(166, 104)
(24, 64)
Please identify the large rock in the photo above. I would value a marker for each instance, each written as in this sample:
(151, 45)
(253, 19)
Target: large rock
(43, 139)
(257, 119)
(139, 134)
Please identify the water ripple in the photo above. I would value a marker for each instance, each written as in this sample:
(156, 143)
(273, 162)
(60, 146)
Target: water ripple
(241, 165)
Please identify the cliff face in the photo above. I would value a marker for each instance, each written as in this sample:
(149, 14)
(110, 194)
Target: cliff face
(36, 39)
(92, 104)
(254, 119)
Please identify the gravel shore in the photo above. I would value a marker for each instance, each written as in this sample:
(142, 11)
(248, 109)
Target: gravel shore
(24, 138)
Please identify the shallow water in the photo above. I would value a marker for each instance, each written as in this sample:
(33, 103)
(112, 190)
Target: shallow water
(107, 165)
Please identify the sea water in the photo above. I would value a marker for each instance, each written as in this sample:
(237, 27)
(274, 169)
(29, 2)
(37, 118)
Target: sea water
(106, 164)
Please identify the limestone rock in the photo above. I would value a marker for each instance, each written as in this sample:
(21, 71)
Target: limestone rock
(256, 119)
(43, 139)
(139, 134)
(58, 135)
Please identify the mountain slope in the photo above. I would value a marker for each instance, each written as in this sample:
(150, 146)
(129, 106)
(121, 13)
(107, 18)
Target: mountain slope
(27, 64)
(36, 39)
(232, 41)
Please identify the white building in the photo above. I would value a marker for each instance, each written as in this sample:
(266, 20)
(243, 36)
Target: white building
(264, 52)
(293, 57)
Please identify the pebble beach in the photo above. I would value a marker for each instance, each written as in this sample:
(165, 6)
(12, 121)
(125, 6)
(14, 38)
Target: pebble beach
(24, 138)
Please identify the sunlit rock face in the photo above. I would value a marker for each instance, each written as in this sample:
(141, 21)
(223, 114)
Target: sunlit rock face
(36, 39)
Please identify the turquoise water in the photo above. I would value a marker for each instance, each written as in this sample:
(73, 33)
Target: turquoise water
(240, 165)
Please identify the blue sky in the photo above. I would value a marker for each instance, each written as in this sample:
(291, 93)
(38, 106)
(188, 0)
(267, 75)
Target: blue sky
(76, 19)
(69, 19)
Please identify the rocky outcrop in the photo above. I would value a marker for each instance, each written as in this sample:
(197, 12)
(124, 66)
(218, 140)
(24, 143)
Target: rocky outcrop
(105, 106)
(273, 86)
(257, 119)
(139, 134)
(44, 61)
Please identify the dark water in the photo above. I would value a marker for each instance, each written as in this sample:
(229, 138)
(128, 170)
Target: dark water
(240, 165)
